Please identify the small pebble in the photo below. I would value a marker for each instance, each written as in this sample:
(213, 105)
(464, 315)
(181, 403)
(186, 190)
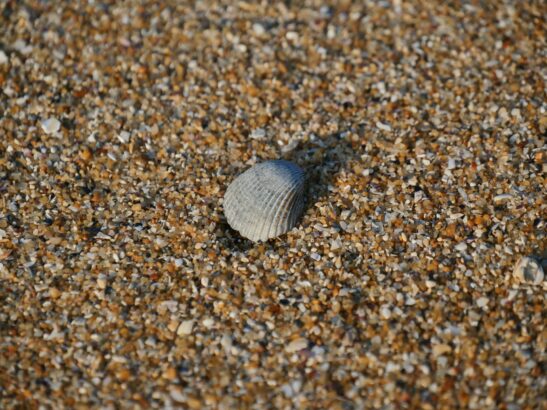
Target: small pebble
(258, 29)
(124, 137)
(185, 328)
(102, 281)
(528, 270)
(173, 325)
(382, 126)
(292, 35)
(385, 312)
(440, 349)
(335, 244)
(258, 134)
(51, 126)
(410, 301)
(177, 394)
(482, 302)
(170, 373)
(54, 293)
(498, 199)
(3, 58)
(208, 322)
(296, 345)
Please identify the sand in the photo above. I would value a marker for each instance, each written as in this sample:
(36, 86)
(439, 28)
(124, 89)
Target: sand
(421, 127)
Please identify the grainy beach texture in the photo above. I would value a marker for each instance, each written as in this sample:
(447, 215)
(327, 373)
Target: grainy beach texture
(421, 127)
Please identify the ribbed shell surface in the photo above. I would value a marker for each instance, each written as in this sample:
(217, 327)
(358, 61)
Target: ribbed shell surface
(266, 200)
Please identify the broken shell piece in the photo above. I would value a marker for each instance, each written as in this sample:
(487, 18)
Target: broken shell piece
(528, 270)
(266, 200)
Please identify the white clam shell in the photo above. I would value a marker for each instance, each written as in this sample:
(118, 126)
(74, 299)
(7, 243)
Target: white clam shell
(266, 200)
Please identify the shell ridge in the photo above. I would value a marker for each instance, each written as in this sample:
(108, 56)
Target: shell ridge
(297, 210)
(259, 232)
(234, 214)
(273, 217)
(294, 185)
(228, 209)
(245, 201)
(285, 204)
(286, 186)
(248, 228)
(251, 179)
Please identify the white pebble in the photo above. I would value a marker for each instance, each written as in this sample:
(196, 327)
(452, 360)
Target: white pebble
(385, 312)
(124, 136)
(161, 242)
(462, 246)
(315, 256)
(51, 125)
(287, 390)
(292, 35)
(226, 342)
(296, 345)
(410, 301)
(482, 302)
(170, 305)
(442, 361)
(296, 385)
(502, 198)
(290, 146)
(185, 328)
(177, 395)
(430, 284)
(258, 29)
(22, 47)
(382, 126)
(335, 244)
(392, 367)
(3, 58)
(258, 134)
(208, 322)
(529, 270)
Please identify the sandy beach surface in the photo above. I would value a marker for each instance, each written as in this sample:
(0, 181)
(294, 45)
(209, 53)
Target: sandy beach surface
(421, 128)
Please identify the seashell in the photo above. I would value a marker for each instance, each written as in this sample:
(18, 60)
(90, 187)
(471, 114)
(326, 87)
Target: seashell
(266, 200)
(528, 270)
